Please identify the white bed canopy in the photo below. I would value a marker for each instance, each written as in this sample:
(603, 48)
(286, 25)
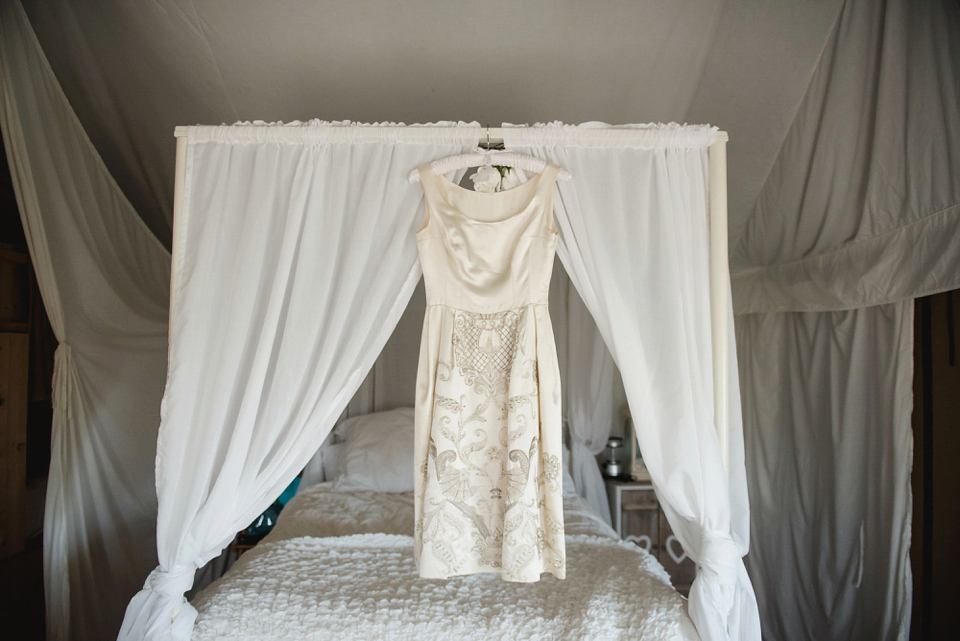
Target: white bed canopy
(844, 190)
(293, 260)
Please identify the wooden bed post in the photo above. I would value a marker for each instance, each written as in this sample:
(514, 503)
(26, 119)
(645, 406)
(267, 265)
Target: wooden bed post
(719, 293)
(179, 179)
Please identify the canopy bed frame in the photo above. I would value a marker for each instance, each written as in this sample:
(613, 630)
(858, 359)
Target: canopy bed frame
(254, 386)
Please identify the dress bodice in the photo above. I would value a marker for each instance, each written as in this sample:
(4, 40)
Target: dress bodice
(487, 252)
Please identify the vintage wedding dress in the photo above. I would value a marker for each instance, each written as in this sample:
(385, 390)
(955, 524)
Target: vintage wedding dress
(488, 488)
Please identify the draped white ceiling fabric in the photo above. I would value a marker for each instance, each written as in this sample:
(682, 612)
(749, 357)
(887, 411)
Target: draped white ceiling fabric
(105, 282)
(134, 71)
(862, 206)
(293, 261)
(634, 241)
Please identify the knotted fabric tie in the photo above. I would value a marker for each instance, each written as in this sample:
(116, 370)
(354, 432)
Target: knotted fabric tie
(159, 612)
(713, 593)
(171, 583)
(719, 563)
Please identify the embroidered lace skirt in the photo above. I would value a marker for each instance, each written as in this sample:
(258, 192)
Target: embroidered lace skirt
(489, 445)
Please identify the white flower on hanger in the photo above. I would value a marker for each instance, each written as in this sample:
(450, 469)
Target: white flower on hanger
(510, 179)
(486, 179)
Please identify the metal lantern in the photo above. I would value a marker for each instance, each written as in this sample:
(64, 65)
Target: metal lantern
(612, 467)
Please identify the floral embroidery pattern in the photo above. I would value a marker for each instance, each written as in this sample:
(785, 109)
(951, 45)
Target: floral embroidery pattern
(486, 475)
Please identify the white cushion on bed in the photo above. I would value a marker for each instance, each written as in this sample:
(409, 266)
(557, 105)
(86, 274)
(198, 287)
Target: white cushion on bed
(377, 452)
(332, 456)
(313, 471)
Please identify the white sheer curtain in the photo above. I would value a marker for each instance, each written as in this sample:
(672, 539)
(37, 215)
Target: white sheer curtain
(294, 258)
(589, 393)
(104, 279)
(634, 240)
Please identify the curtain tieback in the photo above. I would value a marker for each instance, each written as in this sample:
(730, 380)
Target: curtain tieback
(159, 612)
(719, 561)
(172, 583)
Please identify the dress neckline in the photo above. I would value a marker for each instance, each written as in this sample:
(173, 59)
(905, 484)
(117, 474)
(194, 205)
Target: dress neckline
(487, 198)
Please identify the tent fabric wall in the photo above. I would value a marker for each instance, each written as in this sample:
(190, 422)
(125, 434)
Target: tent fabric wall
(104, 279)
(133, 72)
(860, 212)
(862, 206)
(831, 450)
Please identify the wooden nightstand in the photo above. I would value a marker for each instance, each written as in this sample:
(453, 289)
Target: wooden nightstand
(637, 518)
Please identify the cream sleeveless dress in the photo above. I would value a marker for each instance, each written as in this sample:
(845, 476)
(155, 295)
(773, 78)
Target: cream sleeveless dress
(488, 488)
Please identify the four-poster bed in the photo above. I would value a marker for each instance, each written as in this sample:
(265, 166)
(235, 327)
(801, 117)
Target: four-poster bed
(254, 384)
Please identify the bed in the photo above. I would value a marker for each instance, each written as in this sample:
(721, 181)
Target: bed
(339, 565)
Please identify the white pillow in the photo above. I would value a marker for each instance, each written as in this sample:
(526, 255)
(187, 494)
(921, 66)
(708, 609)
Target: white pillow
(377, 452)
(316, 468)
(313, 472)
(332, 461)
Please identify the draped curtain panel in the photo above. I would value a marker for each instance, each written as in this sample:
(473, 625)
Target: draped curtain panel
(860, 214)
(293, 260)
(830, 451)
(634, 239)
(104, 279)
(589, 392)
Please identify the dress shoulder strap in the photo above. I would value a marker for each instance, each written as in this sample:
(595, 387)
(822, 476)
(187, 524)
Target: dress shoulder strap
(432, 192)
(426, 174)
(549, 175)
(548, 182)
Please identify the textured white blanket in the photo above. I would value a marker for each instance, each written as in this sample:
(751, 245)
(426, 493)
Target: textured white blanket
(365, 586)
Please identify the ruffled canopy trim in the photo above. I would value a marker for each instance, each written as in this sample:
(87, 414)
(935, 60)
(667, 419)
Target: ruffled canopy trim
(588, 134)
(600, 134)
(339, 131)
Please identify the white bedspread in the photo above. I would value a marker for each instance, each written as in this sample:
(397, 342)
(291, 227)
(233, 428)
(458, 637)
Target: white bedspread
(350, 584)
